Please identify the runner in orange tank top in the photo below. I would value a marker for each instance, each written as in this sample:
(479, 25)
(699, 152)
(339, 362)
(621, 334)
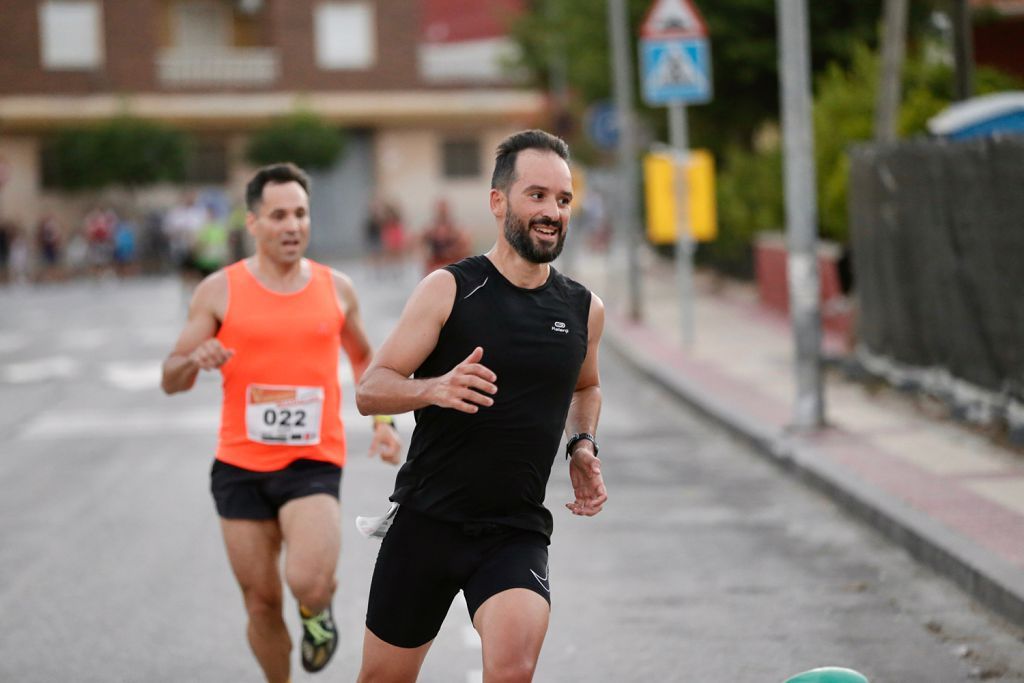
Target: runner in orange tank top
(273, 325)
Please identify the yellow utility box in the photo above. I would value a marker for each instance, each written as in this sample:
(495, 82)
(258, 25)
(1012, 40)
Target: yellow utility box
(661, 191)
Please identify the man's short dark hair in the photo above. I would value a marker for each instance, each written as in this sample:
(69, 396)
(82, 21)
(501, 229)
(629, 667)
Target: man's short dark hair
(505, 160)
(275, 173)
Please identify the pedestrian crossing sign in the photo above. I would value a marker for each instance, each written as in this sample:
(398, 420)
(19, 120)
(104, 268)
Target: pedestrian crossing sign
(676, 71)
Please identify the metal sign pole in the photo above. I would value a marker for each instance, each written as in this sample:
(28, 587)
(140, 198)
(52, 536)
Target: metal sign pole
(801, 211)
(679, 140)
(622, 72)
(676, 71)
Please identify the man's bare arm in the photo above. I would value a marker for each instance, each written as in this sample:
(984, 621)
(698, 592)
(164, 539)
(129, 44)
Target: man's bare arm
(386, 386)
(197, 348)
(585, 408)
(353, 335)
(584, 412)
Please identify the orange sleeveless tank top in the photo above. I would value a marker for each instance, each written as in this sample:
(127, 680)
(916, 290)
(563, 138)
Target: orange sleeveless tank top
(282, 398)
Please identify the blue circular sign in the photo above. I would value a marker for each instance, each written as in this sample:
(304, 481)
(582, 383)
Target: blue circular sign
(602, 124)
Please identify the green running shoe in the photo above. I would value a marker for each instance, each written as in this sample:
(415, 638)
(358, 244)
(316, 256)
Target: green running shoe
(319, 640)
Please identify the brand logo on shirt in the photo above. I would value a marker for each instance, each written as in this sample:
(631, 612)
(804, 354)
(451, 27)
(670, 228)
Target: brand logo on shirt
(560, 328)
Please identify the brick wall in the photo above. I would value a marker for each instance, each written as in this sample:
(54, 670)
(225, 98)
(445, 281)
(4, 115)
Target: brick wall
(132, 34)
(129, 33)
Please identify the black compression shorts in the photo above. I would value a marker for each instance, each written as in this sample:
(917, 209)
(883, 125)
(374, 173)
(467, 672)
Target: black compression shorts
(245, 494)
(424, 562)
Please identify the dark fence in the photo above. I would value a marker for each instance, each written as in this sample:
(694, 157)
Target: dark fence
(937, 236)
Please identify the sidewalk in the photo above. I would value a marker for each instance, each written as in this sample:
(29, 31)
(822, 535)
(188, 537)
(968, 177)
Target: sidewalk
(953, 499)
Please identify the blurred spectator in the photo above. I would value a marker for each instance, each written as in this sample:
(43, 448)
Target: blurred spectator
(124, 249)
(153, 253)
(6, 235)
(20, 257)
(392, 232)
(444, 242)
(99, 239)
(77, 254)
(182, 224)
(210, 251)
(238, 247)
(48, 245)
(373, 231)
(593, 222)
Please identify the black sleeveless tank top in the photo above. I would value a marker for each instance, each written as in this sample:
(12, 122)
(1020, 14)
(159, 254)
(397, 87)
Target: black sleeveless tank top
(493, 466)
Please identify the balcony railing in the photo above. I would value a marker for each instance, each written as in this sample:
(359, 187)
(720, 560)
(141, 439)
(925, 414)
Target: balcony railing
(253, 66)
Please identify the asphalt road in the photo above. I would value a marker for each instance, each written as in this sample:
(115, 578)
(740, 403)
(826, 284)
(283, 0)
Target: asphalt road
(708, 564)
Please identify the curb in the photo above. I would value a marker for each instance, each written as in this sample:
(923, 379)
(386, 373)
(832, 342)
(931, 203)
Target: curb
(986, 578)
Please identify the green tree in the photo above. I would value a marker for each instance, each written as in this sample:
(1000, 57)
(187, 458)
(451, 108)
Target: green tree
(301, 138)
(124, 151)
(844, 111)
(743, 55)
(748, 193)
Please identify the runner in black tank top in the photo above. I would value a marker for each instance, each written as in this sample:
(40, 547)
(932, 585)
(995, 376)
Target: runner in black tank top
(493, 466)
(496, 354)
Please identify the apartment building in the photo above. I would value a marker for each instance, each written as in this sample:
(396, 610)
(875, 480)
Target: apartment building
(421, 87)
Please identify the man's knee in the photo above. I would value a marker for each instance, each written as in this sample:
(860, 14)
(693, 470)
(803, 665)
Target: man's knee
(313, 590)
(516, 668)
(386, 663)
(262, 604)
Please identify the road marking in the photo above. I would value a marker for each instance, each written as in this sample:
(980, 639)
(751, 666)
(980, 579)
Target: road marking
(39, 370)
(160, 336)
(84, 339)
(76, 424)
(133, 376)
(12, 341)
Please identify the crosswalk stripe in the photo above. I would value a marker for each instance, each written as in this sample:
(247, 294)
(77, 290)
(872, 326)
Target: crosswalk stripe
(69, 424)
(54, 367)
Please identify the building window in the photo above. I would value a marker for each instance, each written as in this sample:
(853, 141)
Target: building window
(346, 35)
(71, 34)
(201, 25)
(461, 158)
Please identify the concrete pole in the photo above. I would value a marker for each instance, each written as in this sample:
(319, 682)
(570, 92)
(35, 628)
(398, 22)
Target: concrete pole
(627, 225)
(679, 139)
(801, 210)
(894, 47)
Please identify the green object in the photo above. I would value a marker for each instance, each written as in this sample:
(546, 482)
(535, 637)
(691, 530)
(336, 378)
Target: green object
(302, 138)
(828, 674)
(126, 151)
(211, 249)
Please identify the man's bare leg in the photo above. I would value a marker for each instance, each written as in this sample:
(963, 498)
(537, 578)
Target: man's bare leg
(254, 549)
(512, 625)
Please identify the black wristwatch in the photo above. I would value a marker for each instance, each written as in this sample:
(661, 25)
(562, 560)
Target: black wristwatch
(578, 437)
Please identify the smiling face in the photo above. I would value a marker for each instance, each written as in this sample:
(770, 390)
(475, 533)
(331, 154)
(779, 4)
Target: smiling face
(279, 224)
(537, 206)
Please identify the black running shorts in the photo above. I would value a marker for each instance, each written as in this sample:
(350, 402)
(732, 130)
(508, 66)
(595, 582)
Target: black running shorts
(245, 494)
(424, 562)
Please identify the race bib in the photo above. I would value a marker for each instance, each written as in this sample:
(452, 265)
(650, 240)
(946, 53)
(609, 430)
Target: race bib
(283, 416)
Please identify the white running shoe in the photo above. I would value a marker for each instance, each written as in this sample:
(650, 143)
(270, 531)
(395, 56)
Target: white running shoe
(377, 527)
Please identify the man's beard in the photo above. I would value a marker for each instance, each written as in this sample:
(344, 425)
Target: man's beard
(517, 232)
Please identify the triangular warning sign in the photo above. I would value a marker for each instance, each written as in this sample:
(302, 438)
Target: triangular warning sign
(675, 69)
(673, 18)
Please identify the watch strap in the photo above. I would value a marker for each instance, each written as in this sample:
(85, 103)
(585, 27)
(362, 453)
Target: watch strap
(575, 438)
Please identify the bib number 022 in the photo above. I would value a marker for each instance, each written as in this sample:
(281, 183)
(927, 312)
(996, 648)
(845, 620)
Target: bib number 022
(283, 415)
